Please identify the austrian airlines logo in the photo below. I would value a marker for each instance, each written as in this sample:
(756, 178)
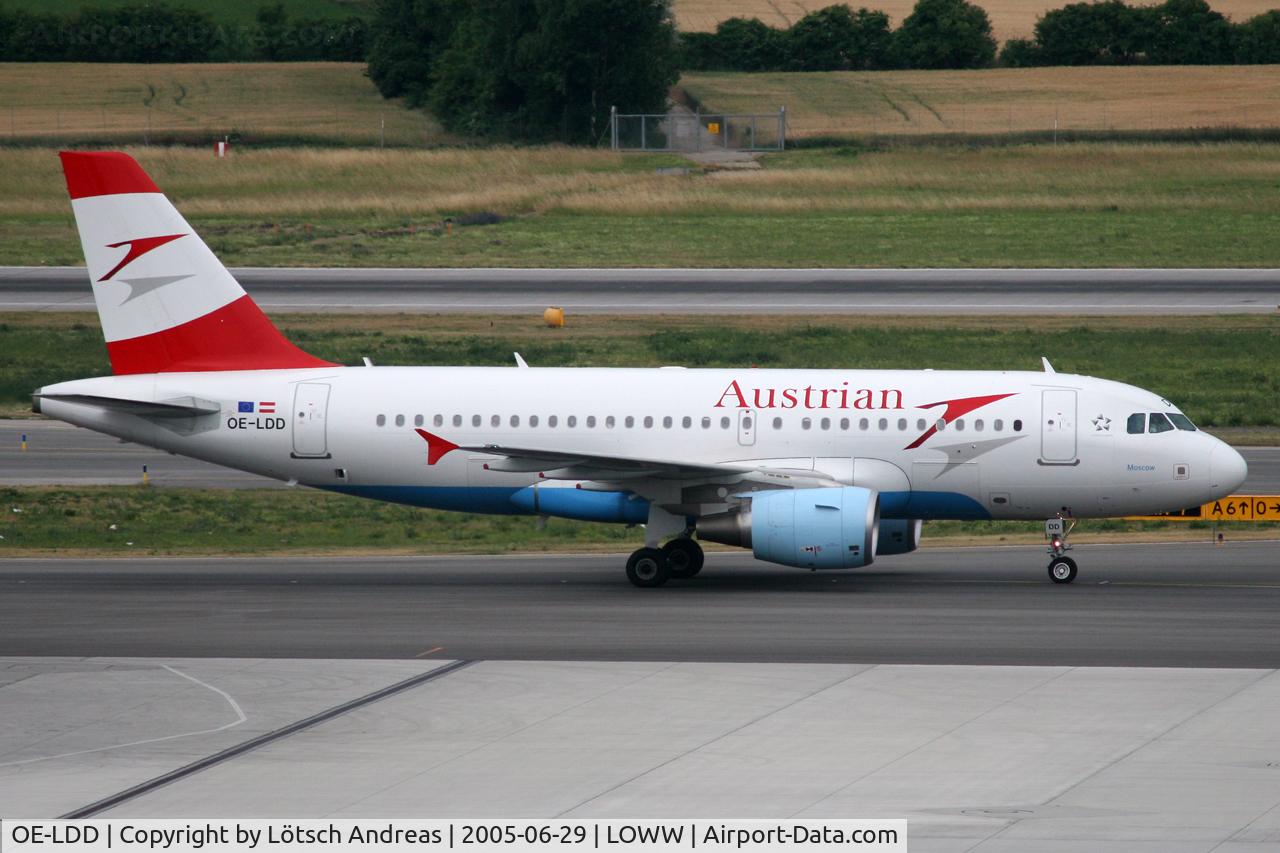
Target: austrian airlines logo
(955, 409)
(137, 248)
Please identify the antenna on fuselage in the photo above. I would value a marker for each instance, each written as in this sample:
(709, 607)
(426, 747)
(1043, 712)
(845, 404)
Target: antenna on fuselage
(1048, 368)
(520, 362)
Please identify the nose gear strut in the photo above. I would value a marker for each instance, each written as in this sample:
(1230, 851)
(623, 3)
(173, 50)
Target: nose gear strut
(1062, 569)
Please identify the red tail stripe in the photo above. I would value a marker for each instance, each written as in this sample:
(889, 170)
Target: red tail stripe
(237, 336)
(91, 173)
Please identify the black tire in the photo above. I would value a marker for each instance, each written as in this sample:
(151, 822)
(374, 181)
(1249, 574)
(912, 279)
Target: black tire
(684, 557)
(648, 568)
(1062, 570)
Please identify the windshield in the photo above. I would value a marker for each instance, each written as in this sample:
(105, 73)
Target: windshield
(1159, 423)
(1182, 422)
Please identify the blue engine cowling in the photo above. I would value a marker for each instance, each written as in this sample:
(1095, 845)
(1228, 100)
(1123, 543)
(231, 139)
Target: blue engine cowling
(833, 528)
(898, 536)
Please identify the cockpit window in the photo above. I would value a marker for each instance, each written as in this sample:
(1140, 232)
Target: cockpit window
(1159, 423)
(1182, 422)
(1137, 423)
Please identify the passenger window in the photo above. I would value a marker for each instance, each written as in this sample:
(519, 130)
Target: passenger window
(438, 420)
(902, 424)
(805, 423)
(495, 421)
(724, 423)
(884, 423)
(746, 423)
(844, 424)
(457, 420)
(1159, 423)
(864, 424)
(1182, 422)
(591, 421)
(382, 420)
(666, 422)
(475, 420)
(552, 420)
(706, 423)
(629, 422)
(998, 426)
(1017, 426)
(960, 425)
(1137, 423)
(533, 420)
(648, 421)
(609, 422)
(417, 420)
(515, 420)
(825, 423)
(686, 422)
(921, 424)
(571, 421)
(399, 420)
(977, 425)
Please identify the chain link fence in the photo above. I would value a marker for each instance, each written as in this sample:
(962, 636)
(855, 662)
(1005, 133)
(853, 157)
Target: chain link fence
(688, 131)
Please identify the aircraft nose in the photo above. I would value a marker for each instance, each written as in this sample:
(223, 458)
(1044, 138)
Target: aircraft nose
(1227, 470)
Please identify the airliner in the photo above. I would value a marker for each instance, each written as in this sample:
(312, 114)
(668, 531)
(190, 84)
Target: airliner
(815, 469)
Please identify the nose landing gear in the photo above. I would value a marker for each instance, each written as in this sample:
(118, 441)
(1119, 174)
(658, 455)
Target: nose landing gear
(1062, 569)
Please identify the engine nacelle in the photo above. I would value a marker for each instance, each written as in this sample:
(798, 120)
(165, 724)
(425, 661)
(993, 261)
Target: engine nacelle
(898, 536)
(833, 528)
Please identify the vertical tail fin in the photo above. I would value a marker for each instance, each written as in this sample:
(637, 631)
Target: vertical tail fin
(166, 303)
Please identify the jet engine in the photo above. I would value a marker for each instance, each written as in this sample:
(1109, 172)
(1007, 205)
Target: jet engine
(898, 536)
(828, 528)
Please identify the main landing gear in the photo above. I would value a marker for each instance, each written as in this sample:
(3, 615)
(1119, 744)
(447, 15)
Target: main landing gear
(680, 558)
(1062, 569)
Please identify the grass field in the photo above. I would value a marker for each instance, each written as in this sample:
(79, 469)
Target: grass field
(141, 521)
(1071, 205)
(1000, 100)
(281, 102)
(1221, 370)
(1009, 18)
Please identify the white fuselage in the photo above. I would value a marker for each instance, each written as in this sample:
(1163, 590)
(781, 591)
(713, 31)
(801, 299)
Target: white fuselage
(1044, 443)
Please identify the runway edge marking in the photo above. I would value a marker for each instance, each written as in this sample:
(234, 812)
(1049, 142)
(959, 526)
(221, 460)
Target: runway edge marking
(262, 740)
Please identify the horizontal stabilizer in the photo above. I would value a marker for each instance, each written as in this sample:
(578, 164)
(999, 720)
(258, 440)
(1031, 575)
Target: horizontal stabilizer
(178, 407)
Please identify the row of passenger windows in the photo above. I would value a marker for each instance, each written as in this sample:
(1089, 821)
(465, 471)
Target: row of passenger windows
(1140, 422)
(668, 422)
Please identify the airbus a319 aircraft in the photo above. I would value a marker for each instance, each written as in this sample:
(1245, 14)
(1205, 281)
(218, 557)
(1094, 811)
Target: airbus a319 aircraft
(818, 469)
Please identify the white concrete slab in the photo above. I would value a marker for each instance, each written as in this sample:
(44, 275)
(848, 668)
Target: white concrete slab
(73, 731)
(976, 758)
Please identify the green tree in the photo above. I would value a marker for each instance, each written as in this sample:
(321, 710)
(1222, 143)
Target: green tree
(407, 37)
(1107, 33)
(1258, 39)
(1190, 33)
(945, 34)
(748, 44)
(838, 39)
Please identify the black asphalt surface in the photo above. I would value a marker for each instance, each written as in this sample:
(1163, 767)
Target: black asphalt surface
(1186, 604)
(651, 291)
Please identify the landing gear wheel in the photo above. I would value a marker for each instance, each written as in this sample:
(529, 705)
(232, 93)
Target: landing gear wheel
(1062, 570)
(648, 568)
(684, 557)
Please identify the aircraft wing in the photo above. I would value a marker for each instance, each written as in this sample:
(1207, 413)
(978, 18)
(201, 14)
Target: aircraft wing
(571, 465)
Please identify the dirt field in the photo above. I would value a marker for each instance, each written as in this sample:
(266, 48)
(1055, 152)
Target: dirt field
(285, 101)
(1009, 18)
(1001, 100)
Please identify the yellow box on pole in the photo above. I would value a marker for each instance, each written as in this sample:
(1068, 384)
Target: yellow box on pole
(1230, 508)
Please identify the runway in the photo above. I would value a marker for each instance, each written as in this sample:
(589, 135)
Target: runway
(59, 454)
(717, 291)
(1185, 605)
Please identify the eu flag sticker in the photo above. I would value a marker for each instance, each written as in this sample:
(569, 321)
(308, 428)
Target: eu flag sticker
(246, 407)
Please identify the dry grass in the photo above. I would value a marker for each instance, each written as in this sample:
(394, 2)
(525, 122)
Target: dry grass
(1009, 18)
(422, 186)
(289, 100)
(1002, 100)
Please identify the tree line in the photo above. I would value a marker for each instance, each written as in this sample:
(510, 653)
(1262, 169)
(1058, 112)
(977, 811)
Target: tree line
(957, 34)
(161, 33)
